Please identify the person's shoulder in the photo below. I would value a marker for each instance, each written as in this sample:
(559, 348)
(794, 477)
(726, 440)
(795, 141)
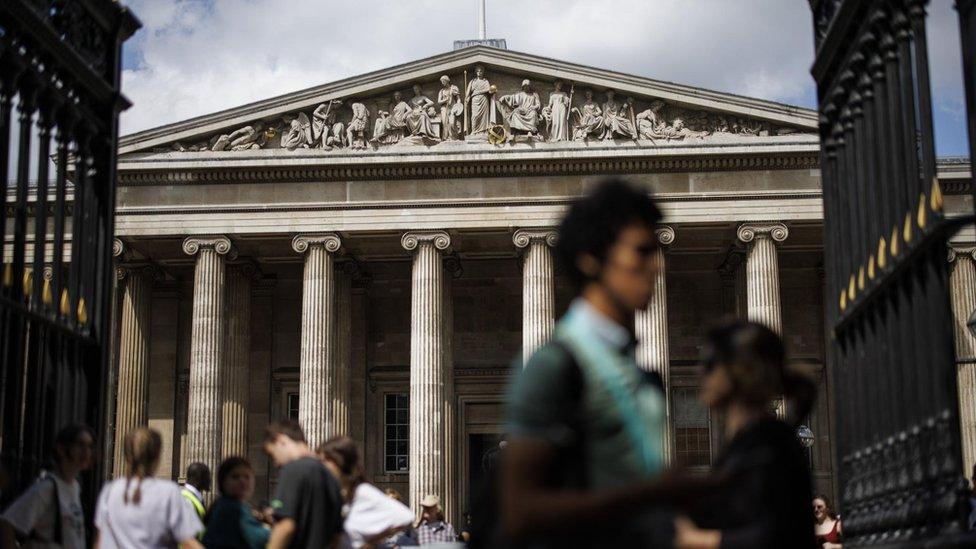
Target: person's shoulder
(553, 358)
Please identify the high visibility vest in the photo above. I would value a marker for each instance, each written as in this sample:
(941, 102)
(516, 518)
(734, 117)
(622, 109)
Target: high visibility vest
(195, 502)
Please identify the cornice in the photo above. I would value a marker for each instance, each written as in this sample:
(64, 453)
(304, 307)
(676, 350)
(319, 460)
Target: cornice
(620, 161)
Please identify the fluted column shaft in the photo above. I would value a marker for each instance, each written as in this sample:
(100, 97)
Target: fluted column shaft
(204, 411)
(340, 404)
(428, 377)
(962, 283)
(132, 392)
(762, 272)
(236, 380)
(318, 373)
(538, 294)
(651, 329)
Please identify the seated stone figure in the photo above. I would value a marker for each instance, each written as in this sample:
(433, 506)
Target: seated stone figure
(523, 118)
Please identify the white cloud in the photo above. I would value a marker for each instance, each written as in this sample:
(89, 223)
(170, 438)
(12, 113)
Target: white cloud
(197, 57)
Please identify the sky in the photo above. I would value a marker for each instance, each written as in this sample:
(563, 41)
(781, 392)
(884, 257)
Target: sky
(195, 57)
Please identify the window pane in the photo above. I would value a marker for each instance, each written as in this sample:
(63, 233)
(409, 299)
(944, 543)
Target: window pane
(692, 445)
(397, 431)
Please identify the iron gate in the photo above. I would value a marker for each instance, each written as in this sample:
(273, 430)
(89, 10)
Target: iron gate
(898, 442)
(60, 63)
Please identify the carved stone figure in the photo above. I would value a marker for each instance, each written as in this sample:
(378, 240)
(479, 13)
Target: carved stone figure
(394, 124)
(248, 137)
(326, 132)
(616, 119)
(419, 115)
(524, 114)
(648, 121)
(298, 134)
(379, 129)
(556, 113)
(590, 118)
(356, 129)
(478, 97)
(452, 109)
(677, 130)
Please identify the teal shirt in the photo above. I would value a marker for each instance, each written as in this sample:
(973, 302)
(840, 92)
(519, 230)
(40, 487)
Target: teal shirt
(231, 525)
(584, 393)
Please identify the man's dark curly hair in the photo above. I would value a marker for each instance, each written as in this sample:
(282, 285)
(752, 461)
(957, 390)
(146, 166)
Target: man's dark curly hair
(593, 224)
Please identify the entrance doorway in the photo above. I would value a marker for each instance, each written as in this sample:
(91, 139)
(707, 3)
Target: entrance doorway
(482, 452)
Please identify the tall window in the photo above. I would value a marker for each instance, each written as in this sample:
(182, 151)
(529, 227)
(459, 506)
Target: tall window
(293, 406)
(691, 432)
(397, 444)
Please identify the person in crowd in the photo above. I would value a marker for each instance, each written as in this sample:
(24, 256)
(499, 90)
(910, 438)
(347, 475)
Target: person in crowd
(49, 513)
(231, 523)
(307, 503)
(198, 479)
(431, 526)
(586, 424)
(405, 538)
(765, 501)
(371, 516)
(826, 523)
(972, 501)
(140, 511)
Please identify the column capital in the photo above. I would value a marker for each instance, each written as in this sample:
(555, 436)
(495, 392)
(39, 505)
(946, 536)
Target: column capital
(150, 270)
(248, 268)
(665, 235)
(439, 239)
(118, 248)
(748, 232)
(523, 237)
(956, 252)
(219, 243)
(330, 241)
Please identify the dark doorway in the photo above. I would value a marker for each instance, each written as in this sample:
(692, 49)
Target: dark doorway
(482, 448)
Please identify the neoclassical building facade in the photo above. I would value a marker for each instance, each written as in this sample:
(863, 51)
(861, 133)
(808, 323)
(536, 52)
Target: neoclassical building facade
(372, 257)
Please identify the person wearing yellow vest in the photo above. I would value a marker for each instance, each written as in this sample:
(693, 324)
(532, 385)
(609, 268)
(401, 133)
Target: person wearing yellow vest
(197, 482)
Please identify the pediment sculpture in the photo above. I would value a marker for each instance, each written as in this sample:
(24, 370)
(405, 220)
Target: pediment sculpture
(478, 112)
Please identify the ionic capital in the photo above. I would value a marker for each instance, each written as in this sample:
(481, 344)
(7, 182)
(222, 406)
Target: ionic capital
(330, 241)
(438, 239)
(523, 237)
(750, 231)
(219, 244)
(665, 235)
(149, 270)
(118, 248)
(959, 252)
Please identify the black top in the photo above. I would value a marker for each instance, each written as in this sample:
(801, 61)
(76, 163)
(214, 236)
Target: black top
(308, 494)
(767, 503)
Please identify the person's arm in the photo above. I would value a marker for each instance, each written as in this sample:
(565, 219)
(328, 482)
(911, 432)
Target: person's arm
(191, 543)
(281, 534)
(254, 533)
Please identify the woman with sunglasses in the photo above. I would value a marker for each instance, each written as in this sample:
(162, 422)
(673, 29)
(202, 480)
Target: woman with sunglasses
(765, 499)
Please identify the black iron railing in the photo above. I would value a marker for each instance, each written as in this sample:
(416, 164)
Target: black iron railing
(888, 315)
(60, 63)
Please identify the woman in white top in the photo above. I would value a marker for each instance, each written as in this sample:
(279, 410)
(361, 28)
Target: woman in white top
(139, 511)
(49, 513)
(370, 515)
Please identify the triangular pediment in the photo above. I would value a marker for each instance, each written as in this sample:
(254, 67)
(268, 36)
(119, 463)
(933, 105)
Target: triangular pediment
(361, 114)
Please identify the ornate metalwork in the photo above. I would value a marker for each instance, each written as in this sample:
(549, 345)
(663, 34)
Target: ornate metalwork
(898, 443)
(60, 63)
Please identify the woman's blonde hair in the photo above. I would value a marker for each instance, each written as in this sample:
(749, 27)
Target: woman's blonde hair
(142, 448)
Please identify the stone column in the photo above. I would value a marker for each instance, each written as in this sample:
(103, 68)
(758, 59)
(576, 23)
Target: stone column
(538, 299)
(962, 284)
(762, 272)
(318, 375)
(132, 385)
(204, 411)
(427, 368)
(452, 268)
(340, 406)
(236, 383)
(651, 328)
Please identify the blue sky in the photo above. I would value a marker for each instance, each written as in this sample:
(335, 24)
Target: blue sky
(193, 57)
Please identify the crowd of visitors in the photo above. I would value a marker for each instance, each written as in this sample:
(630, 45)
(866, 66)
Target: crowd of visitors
(582, 465)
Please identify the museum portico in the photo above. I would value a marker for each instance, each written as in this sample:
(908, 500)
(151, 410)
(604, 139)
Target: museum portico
(375, 266)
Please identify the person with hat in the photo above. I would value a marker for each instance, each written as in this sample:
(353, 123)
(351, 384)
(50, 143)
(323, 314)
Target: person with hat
(431, 526)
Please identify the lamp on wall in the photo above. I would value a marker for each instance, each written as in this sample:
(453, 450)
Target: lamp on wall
(805, 434)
